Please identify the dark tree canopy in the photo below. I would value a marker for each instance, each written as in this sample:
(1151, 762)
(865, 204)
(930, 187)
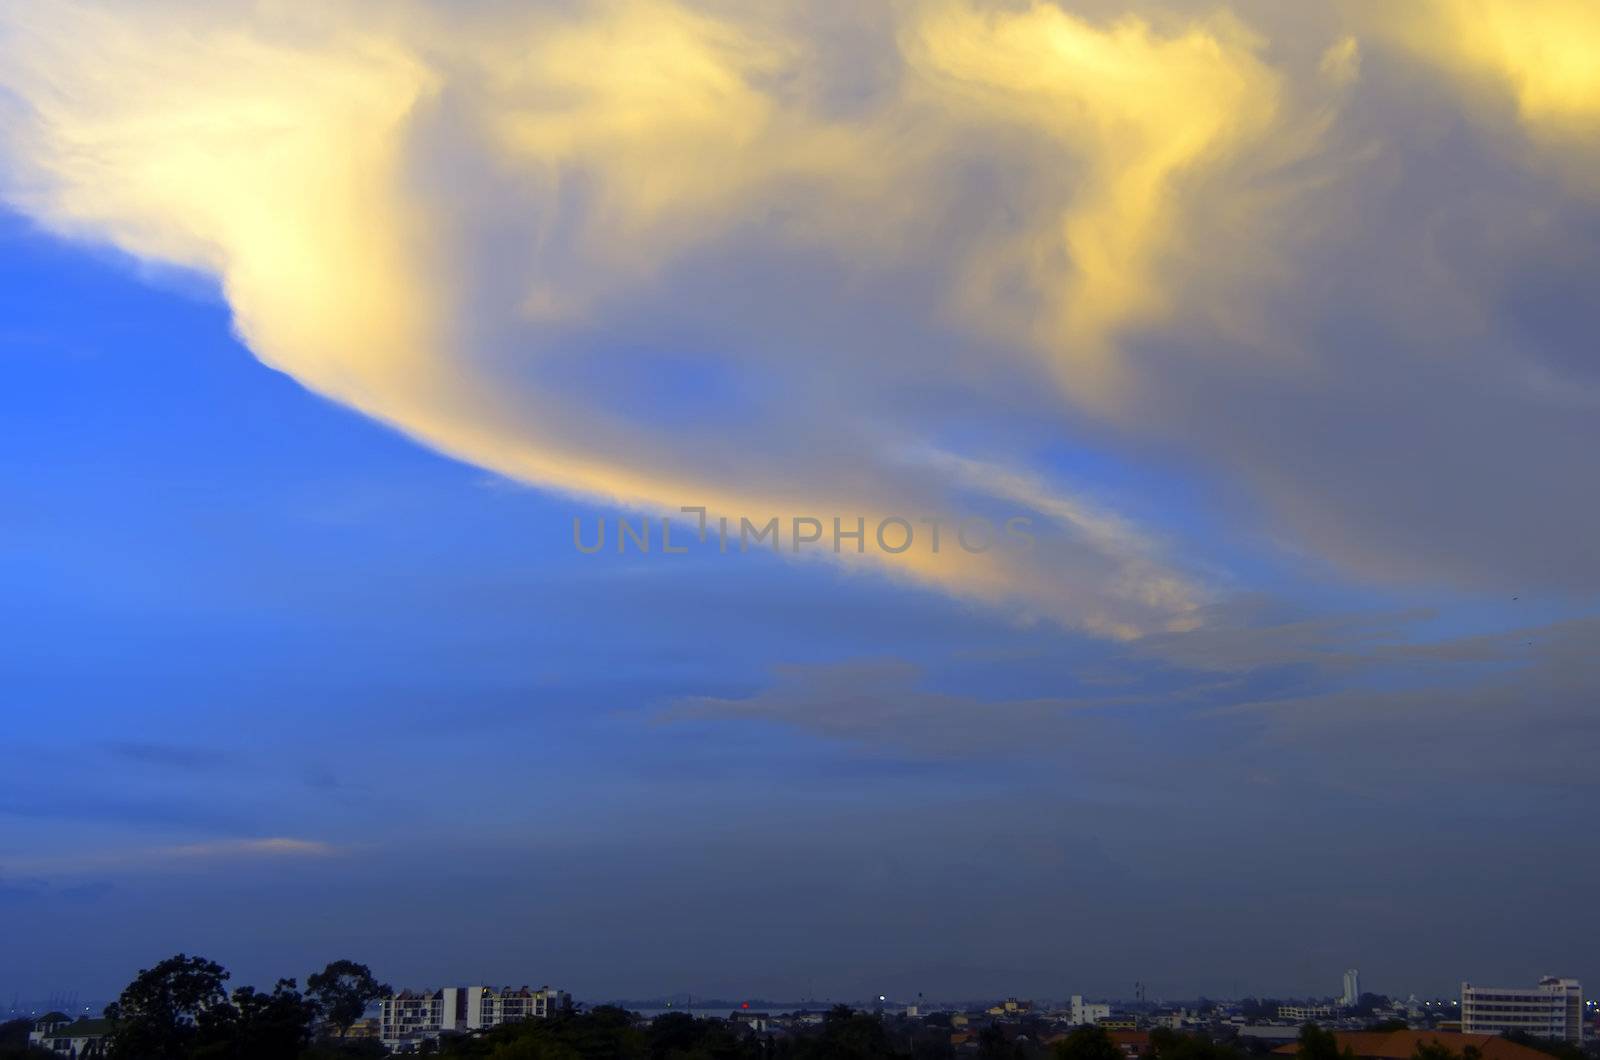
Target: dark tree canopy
(343, 990)
(1553, 1046)
(14, 1041)
(157, 1015)
(1319, 1044)
(1088, 1043)
(1166, 1044)
(257, 1026)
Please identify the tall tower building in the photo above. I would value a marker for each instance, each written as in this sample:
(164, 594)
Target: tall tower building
(1352, 988)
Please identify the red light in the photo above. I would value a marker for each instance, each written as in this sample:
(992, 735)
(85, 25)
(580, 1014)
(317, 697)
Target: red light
(744, 1004)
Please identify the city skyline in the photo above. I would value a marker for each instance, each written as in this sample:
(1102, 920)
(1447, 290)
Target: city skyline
(1509, 1022)
(330, 334)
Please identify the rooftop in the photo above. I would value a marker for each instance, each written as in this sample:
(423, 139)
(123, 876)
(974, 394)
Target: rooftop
(1402, 1045)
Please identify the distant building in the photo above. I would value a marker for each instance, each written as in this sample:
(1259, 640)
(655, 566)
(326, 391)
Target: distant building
(760, 1022)
(1010, 1007)
(1553, 1009)
(1305, 1013)
(76, 1040)
(410, 1018)
(1352, 988)
(1268, 1032)
(1083, 1012)
(44, 1025)
(1117, 1023)
(1180, 1019)
(363, 1028)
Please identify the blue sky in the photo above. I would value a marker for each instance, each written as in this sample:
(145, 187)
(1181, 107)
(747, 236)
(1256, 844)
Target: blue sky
(300, 661)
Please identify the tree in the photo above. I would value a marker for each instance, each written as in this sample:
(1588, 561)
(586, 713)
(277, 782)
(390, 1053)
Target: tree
(673, 1033)
(994, 1045)
(1369, 1002)
(157, 1015)
(1318, 1044)
(679, 1036)
(1556, 1047)
(846, 1035)
(14, 1041)
(1087, 1043)
(257, 1026)
(1168, 1044)
(343, 990)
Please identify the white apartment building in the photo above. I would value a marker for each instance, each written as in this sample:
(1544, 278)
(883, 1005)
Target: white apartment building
(1305, 1013)
(1553, 1009)
(1088, 1013)
(410, 1018)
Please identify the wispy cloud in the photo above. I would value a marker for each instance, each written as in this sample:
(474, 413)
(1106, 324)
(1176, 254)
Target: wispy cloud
(170, 756)
(892, 704)
(182, 856)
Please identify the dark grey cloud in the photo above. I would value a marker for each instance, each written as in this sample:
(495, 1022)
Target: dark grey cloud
(1527, 721)
(887, 703)
(1413, 402)
(181, 757)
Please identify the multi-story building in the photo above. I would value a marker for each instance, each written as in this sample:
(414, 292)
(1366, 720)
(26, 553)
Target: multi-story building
(1088, 1013)
(1352, 988)
(495, 1007)
(410, 1018)
(1553, 1009)
(44, 1025)
(1305, 1013)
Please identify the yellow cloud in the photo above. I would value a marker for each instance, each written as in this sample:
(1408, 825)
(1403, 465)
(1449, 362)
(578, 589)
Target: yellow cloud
(1540, 52)
(1341, 61)
(314, 161)
(1125, 113)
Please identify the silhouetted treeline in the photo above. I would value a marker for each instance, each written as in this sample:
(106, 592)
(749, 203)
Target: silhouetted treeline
(181, 1009)
(613, 1034)
(617, 1034)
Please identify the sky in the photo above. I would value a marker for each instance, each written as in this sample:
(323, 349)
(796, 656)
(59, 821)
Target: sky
(1254, 344)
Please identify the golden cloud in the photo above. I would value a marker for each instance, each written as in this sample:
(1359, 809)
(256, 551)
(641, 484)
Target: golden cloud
(416, 213)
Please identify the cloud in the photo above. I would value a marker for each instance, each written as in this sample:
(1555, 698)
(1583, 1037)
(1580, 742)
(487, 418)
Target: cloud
(1121, 117)
(1539, 53)
(433, 219)
(885, 703)
(1503, 711)
(170, 756)
(659, 254)
(1360, 712)
(182, 856)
